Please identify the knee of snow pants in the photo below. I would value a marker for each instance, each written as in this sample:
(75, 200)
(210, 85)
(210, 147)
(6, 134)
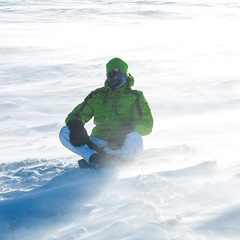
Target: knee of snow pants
(84, 151)
(131, 149)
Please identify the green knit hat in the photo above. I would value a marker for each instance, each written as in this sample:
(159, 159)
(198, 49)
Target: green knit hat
(117, 63)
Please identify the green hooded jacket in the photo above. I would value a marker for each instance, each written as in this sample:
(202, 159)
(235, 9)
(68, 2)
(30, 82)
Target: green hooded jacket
(112, 108)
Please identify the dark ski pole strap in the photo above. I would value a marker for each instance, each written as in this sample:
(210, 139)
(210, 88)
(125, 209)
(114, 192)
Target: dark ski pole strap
(93, 146)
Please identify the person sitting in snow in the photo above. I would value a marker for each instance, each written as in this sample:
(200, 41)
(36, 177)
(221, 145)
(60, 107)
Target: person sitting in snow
(121, 117)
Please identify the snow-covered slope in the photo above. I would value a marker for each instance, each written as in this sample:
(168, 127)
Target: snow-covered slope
(184, 56)
(50, 199)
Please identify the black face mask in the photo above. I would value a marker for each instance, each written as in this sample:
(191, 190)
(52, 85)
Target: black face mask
(117, 79)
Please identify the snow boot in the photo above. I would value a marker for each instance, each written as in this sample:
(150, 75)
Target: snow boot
(83, 164)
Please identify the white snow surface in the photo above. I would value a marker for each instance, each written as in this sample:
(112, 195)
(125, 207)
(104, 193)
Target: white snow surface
(185, 56)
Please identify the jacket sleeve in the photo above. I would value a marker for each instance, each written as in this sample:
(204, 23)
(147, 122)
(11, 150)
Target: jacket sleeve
(142, 116)
(82, 112)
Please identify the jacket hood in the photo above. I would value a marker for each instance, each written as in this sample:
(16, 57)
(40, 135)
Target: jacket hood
(118, 63)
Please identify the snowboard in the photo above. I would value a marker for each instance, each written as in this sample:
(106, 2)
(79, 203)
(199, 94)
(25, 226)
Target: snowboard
(85, 165)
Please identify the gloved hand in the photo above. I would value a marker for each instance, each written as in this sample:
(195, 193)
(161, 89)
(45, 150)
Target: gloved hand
(118, 136)
(78, 134)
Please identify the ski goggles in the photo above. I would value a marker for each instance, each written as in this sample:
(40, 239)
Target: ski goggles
(117, 79)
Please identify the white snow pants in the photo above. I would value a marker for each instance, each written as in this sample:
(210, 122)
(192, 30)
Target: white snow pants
(132, 147)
